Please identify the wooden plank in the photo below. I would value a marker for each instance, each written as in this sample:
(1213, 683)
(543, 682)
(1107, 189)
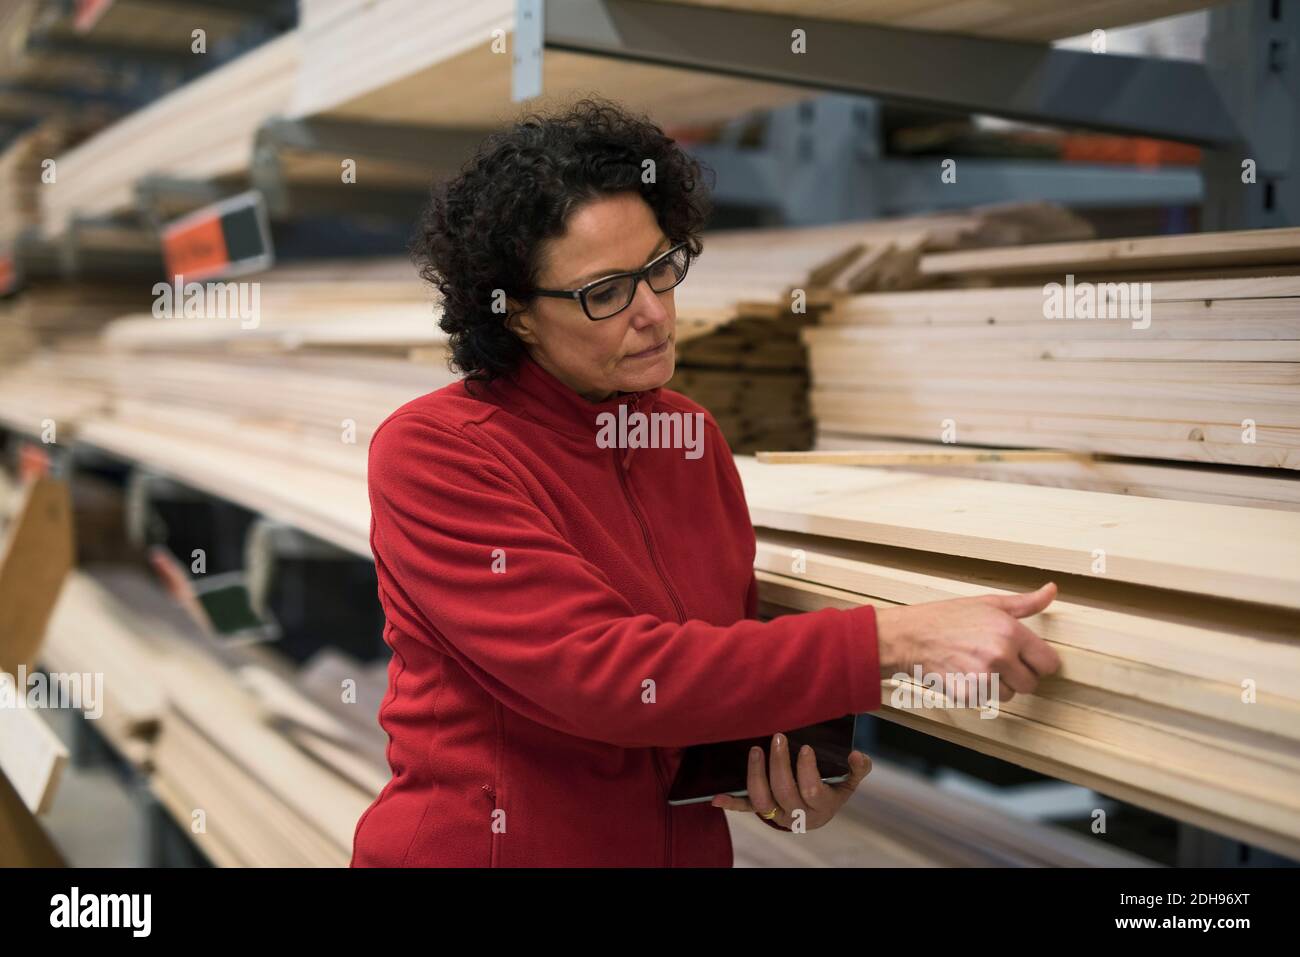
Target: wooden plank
(1026, 302)
(333, 507)
(1170, 393)
(209, 842)
(1237, 553)
(267, 802)
(23, 842)
(86, 634)
(31, 755)
(851, 366)
(1252, 247)
(1048, 353)
(245, 825)
(1105, 768)
(35, 560)
(1190, 440)
(37, 554)
(1196, 666)
(1276, 327)
(1185, 481)
(919, 458)
(1070, 418)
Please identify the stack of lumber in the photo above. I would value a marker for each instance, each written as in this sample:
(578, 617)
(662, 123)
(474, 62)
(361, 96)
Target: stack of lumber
(16, 341)
(20, 178)
(1179, 649)
(203, 130)
(20, 185)
(1215, 351)
(737, 343)
(1010, 19)
(132, 705)
(277, 416)
(742, 307)
(897, 818)
(282, 433)
(63, 386)
(54, 312)
(285, 435)
(737, 336)
(308, 707)
(207, 741)
(738, 348)
(432, 62)
(831, 260)
(1219, 484)
(374, 306)
(1269, 252)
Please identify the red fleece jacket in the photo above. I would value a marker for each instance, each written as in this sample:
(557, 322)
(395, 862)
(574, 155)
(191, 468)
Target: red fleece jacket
(534, 584)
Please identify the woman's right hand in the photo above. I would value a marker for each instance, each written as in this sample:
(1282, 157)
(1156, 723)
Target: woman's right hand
(981, 635)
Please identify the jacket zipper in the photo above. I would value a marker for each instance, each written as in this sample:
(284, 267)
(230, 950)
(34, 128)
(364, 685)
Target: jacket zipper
(620, 465)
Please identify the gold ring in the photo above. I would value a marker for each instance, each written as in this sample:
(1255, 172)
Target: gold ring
(769, 815)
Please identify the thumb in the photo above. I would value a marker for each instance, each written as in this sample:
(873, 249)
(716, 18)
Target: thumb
(1029, 603)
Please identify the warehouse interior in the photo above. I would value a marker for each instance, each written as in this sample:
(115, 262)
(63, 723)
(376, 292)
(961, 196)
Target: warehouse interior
(900, 190)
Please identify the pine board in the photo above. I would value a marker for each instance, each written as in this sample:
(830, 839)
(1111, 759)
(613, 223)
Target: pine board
(1237, 553)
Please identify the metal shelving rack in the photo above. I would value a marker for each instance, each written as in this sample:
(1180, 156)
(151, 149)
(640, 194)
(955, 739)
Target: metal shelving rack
(1239, 104)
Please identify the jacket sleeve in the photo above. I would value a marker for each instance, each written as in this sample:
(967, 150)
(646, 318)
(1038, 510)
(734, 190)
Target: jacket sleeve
(493, 583)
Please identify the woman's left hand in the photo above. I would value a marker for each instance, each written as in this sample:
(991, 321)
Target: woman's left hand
(780, 791)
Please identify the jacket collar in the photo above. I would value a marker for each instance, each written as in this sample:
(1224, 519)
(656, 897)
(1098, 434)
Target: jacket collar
(534, 392)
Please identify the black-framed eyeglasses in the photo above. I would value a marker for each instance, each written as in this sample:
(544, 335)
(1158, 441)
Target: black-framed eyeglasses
(611, 295)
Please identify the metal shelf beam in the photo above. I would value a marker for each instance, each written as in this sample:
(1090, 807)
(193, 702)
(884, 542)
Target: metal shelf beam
(1032, 82)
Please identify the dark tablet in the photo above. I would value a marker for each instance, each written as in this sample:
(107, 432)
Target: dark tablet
(708, 770)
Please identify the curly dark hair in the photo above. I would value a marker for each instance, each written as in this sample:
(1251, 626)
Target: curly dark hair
(483, 228)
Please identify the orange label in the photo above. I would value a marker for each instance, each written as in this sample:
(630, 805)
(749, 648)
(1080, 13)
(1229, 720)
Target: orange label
(195, 249)
(33, 461)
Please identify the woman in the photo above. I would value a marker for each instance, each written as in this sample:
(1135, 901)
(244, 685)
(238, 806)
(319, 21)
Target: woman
(565, 616)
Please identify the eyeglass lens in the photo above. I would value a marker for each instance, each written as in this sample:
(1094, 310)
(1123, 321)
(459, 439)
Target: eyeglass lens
(614, 295)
